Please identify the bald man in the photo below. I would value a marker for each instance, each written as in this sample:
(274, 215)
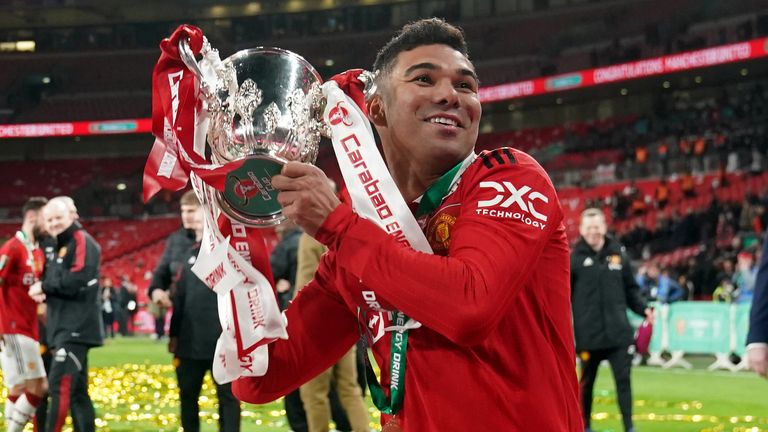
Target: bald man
(70, 287)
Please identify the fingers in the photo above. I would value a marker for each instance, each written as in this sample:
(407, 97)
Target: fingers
(306, 195)
(299, 169)
(297, 176)
(286, 198)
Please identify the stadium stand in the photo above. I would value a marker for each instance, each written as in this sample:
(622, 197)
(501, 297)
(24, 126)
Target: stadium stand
(600, 149)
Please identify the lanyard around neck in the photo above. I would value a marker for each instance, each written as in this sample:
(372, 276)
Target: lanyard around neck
(431, 199)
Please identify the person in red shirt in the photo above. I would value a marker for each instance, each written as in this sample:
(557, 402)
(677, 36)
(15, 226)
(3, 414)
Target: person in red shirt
(495, 350)
(21, 266)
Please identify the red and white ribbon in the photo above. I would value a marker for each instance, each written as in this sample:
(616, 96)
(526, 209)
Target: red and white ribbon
(371, 187)
(229, 259)
(374, 194)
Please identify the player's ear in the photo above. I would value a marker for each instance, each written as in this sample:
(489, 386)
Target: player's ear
(376, 112)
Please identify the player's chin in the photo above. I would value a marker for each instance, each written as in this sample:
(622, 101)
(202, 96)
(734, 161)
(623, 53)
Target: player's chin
(456, 145)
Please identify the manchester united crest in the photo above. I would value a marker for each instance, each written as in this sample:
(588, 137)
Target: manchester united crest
(440, 227)
(614, 262)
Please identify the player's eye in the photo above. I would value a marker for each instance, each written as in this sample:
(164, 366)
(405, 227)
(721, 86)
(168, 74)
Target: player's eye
(423, 79)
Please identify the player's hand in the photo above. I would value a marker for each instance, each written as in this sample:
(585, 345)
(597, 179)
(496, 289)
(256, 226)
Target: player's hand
(305, 194)
(36, 292)
(757, 359)
(161, 298)
(282, 286)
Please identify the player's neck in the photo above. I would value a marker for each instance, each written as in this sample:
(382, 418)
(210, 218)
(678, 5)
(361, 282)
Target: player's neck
(413, 184)
(412, 177)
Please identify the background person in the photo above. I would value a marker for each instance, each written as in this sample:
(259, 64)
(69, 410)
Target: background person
(603, 287)
(176, 249)
(127, 306)
(108, 307)
(194, 332)
(21, 268)
(71, 290)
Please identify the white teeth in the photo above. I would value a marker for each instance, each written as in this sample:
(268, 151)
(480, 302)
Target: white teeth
(443, 120)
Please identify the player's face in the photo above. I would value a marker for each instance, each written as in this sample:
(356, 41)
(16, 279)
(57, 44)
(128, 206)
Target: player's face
(38, 229)
(189, 215)
(593, 230)
(57, 219)
(431, 104)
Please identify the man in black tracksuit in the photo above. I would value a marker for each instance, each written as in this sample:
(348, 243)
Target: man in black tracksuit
(603, 286)
(71, 290)
(195, 324)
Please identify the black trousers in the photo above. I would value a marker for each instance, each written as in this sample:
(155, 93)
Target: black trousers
(620, 359)
(68, 386)
(190, 374)
(160, 326)
(42, 409)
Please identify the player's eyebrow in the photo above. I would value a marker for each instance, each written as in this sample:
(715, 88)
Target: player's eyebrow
(431, 66)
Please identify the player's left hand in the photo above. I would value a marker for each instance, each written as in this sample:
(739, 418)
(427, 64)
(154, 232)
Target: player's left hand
(305, 194)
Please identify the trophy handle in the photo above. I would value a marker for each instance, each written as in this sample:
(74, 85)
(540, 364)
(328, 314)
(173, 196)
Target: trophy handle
(185, 52)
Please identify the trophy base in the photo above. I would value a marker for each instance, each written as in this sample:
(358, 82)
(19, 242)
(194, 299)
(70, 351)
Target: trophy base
(249, 197)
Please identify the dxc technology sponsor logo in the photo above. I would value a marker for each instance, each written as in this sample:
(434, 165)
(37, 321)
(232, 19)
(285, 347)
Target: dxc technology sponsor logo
(507, 194)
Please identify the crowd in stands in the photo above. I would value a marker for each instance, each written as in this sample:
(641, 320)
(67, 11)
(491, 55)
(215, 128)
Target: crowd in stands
(93, 72)
(664, 38)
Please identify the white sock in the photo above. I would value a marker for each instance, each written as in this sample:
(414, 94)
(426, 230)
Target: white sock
(8, 411)
(22, 412)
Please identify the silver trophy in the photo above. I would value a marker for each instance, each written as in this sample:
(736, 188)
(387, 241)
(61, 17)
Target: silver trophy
(265, 107)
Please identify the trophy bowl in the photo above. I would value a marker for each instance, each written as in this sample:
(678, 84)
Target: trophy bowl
(265, 107)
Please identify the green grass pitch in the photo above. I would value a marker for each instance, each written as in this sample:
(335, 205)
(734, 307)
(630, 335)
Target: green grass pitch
(133, 387)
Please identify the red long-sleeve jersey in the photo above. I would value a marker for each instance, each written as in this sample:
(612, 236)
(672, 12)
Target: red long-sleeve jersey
(495, 350)
(19, 269)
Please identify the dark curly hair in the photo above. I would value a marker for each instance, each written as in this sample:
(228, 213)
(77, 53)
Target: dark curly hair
(33, 204)
(418, 33)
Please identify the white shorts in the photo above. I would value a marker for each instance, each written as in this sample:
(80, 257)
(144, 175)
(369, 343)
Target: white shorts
(20, 359)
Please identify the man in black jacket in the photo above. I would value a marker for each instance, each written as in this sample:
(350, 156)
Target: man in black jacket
(175, 253)
(603, 286)
(195, 323)
(71, 290)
